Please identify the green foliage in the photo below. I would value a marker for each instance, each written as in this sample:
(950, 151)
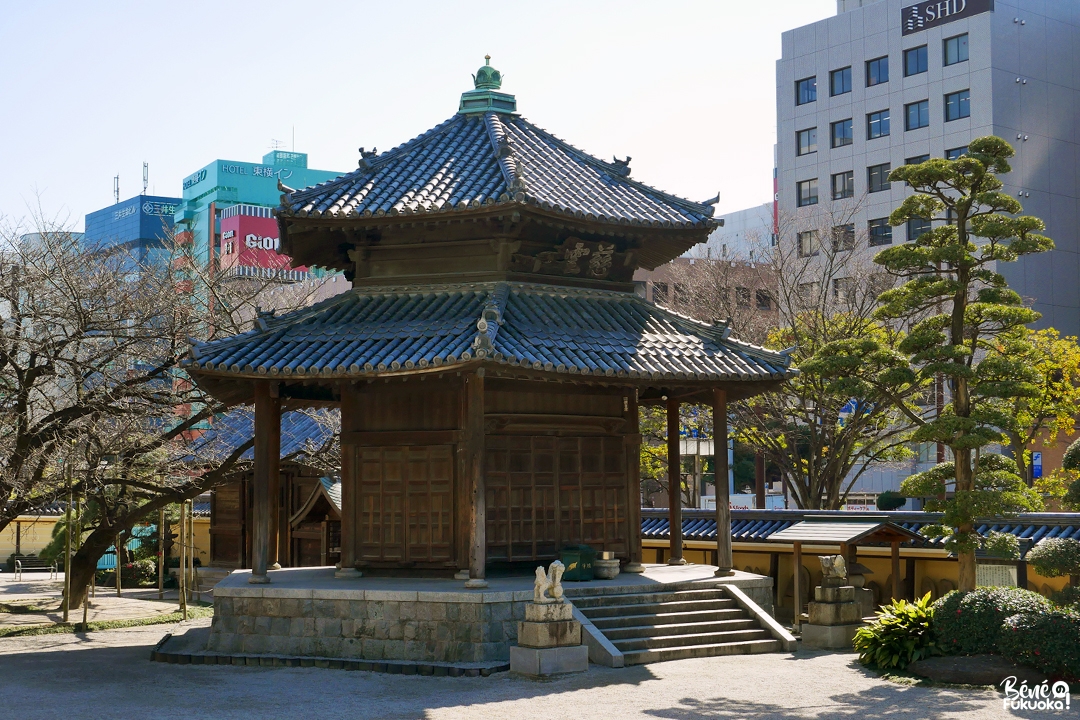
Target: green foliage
(1071, 459)
(1047, 641)
(890, 500)
(968, 623)
(1072, 496)
(1056, 557)
(1068, 598)
(1002, 545)
(901, 634)
(996, 490)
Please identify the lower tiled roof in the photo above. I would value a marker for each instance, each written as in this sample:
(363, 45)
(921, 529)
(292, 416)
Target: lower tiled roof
(758, 525)
(375, 331)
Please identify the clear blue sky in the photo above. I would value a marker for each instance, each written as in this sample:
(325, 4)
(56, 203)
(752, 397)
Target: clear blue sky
(94, 89)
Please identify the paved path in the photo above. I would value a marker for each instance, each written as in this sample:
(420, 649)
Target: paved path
(42, 592)
(108, 675)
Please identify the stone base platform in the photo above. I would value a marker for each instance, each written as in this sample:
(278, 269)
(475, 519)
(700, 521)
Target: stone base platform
(830, 637)
(308, 613)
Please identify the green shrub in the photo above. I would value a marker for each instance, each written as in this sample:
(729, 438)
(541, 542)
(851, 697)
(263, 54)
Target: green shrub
(901, 634)
(890, 500)
(1048, 642)
(1071, 459)
(1056, 557)
(968, 623)
(1068, 598)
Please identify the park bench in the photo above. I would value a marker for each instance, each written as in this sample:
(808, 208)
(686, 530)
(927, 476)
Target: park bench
(32, 563)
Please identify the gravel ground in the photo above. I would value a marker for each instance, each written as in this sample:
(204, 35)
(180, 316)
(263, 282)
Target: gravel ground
(108, 675)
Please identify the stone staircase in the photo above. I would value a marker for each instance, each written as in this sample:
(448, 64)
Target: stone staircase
(686, 620)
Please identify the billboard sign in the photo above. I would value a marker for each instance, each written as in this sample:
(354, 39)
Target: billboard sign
(252, 242)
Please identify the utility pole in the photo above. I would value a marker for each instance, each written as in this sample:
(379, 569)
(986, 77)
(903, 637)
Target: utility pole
(118, 559)
(67, 549)
(78, 534)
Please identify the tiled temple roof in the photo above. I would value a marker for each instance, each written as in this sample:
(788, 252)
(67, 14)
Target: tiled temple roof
(373, 331)
(300, 434)
(758, 525)
(477, 160)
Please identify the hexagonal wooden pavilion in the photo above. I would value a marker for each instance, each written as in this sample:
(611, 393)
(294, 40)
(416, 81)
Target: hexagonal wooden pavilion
(491, 357)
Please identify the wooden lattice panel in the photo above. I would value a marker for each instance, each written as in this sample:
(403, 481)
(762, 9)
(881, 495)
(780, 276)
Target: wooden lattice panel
(546, 492)
(405, 500)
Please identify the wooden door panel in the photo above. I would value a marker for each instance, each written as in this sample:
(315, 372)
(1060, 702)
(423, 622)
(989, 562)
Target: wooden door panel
(405, 495)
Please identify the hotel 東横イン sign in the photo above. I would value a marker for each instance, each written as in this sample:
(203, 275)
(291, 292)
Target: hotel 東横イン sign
(925, 15)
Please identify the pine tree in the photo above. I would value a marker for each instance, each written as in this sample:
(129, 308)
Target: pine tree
(962, 319)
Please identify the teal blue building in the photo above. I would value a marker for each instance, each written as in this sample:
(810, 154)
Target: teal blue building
(223, 184)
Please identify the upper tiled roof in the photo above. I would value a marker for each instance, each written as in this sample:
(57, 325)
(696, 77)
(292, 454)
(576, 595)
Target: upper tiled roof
(471, 161)
(372, 331)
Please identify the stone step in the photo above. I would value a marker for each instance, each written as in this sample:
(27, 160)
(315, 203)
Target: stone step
(690, 640)
(654, 597)
(666, 618)
(638, 631)
(649, 608)
(745, 647)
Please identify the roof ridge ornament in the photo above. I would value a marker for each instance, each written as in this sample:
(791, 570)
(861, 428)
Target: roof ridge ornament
(485, 97)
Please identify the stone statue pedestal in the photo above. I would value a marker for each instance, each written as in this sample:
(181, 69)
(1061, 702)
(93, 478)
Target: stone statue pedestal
(834, 617)
(549, 642)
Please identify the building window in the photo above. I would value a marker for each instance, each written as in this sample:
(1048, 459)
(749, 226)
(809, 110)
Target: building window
(806, 141)
(806, 193)
(877, 177)
(917, 115)
(843, 238)
(917, 160)
(742, 297)
(659, 292)
(843, 289)
(957, 105)
(764, 300)
(843, 185)
(880, 282)
(879, 232)
(877, 124)
(808, 243)
(956, 152)
(808, 292)
(842, 133)
(806, 90)
(877, 71)
(956, 50)
(916, 227)
(915, 61)
(840, 81)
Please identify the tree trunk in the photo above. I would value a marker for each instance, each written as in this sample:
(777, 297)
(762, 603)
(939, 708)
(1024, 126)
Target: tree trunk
(84, 563)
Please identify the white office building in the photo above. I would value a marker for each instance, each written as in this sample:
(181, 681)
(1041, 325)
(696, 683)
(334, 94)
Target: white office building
(887, 82)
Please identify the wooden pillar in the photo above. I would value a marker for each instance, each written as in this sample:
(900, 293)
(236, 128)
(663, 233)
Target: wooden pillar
(474, 462)
(267, 425)
(633, 483)
(349, 485)
(796, 591)
(759, 479)
(909, 574)
(723, 491)
(896, 570)
(274, 457)
(674, 482)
